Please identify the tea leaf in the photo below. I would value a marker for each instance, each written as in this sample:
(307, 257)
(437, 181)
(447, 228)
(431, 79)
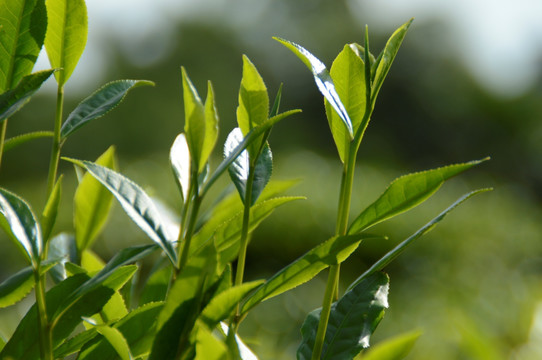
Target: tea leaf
(156, 286)
(50, 212)
(332, 252)
(244, 352)
(92, 204)
(117, 341)
(15, 141)
(13, 100)
(136, 203)
(211, 127)
(347, 72)
(74, 344)
(385, 59)
(66, 35)
(323, 81)
(62, 246)
(194, 115)
(99, 103)
(179, 158)
(21, 225)
(24, 23)
(406, 192)
(253, 108)
(240, 168)
(391, 255)
(352, 321)
(208, 347)
(395, 348)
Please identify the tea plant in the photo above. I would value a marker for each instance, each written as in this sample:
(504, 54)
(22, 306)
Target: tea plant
(195, 299)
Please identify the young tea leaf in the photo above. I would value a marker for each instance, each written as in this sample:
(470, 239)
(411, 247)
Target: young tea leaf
(66, 35)
(13, 100)
(253, 109)
(50, 212)
(99, 103)
(352, 321)
(23, 26)
(179, 158)
(136, 203)
(194, 114)
(395, 348)
(117, 341)
(208, 346)
(211, 127)
(323, 81)
(406, 192)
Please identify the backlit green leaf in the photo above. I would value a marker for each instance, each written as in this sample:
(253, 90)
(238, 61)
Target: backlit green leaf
(253, 109)
(99, 103)
(179, 158)
(323, 81)
(92, 204)
(66, 35)
(50, 212)
(352, 321)
(13, 100)
(209, 347)
(24, 23)
(136, 203)
(194, 115)
(395, 348)
(211, 127)
(406, 192)
(117, 341)
(18, 140)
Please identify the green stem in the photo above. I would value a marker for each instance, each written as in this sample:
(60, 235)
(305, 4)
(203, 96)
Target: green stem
(55, 151)
(45, 328)
(3, 138)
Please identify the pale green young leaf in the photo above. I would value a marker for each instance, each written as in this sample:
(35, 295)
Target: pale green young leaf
(136, 203)
(253, 109)
(50, 212)
(395, 252)
(13, 100)
(92, 204)
(332, 252)
(352, 321)
(239, 170)
(348, 74)
(211, 127)
(18, 140)
(117, 341)
(385, 59)
(179, 158)
(323, 80)
(66, 35)
(406, 192)
(395, 348)
(194, 123)
(22, 225)
(209, 347)
(99, 103)
(23, 26)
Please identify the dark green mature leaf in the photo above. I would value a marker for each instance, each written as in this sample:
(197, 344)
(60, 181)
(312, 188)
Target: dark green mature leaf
(331, 252)
(13, 100)
(348, 76)
(18, 140)
(395, 252)
(385, 59)
(99, 103)
(156, 286)
(179, 158)
(406, 192)
(92, 204)
(66, 35)
(323, 81)
(353, 319)
(240, 169)
(22, 225)
(136, 203)
(395, 348)
(24, 23)
(48, 216)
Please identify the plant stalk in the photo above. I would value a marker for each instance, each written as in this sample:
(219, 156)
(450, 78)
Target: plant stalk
(45, 328)
(55, 151)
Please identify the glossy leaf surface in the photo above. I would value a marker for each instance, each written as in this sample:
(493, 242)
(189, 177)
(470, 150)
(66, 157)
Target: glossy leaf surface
(98, 104)
(406, 192)
(323, 81)
(136, 203)
(179, 158)
(92, 204)
(395, 348)
(352, 321)
(13, 100)
(62, 247)
(24, 23)
(18, 140)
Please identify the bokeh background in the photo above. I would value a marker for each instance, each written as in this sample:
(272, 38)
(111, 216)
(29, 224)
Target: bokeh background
(466, 84)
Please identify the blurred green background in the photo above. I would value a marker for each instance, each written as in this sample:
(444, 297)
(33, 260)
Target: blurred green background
(466, 84)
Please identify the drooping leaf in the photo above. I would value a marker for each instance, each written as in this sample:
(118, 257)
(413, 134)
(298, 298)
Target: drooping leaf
(352, 321)
(18, 140)
(24, 23)
(348, 74)
(50, 212)
(385, 59)
(62, 246)
(323, 81)
(66, 35)
(22, 225)
(92, 204)
(406, 192)
(99, 103)
(395, 348)
(136, 203)
(13, 100)
(240, 169)
(391, 255)
(179, 157)
(332, 252)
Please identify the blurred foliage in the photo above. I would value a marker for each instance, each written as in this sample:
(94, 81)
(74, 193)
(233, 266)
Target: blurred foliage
(473, 285)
